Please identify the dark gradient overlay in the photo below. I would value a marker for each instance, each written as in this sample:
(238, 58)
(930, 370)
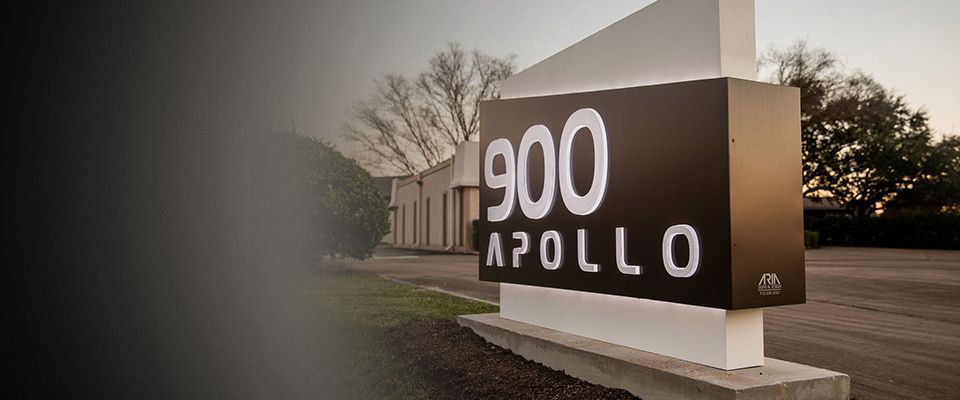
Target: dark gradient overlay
(152, 243)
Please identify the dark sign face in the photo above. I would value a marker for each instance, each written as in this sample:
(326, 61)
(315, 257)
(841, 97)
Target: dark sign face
(687, 192)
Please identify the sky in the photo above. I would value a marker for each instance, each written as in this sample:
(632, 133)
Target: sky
(315, 60)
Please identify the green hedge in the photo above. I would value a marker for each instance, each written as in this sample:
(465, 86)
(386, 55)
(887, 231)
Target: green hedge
(345, 213)
(927, 230)
(811, 239)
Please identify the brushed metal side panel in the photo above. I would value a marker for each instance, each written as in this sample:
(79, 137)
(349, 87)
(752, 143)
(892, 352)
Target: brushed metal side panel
(766, 209)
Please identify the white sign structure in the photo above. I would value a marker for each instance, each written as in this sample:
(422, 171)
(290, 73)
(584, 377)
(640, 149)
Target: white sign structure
(667, 41)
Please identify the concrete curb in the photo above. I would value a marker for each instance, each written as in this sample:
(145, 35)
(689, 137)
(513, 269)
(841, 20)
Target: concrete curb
(653, 376)
(438, 290)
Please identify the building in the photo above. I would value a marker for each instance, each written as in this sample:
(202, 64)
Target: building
(435, 209)
(386, 186)
(822, 207)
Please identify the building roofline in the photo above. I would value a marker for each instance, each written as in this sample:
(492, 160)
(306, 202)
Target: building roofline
(423, 174)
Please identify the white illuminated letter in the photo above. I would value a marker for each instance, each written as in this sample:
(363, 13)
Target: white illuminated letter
(693, 241)
(495, 250)
(585, 265)
(523, 249)
(501, 147)
(588, 203)
(551, 236)
(538, 134)
(622, 255)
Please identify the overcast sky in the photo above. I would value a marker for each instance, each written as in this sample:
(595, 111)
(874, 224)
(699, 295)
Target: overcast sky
(316, 59)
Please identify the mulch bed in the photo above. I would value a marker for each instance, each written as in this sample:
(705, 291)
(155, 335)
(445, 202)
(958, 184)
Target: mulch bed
(455, 363)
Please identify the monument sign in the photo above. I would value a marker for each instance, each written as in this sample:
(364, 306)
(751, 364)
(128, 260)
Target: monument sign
(640, 188)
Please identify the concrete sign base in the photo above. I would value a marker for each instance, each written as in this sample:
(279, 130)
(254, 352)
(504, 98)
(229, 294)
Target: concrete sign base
(652, 376)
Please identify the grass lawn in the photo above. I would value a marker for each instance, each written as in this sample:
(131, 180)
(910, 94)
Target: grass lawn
(352, 312)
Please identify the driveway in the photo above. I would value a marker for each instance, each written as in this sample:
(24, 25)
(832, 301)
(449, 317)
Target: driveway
(452, 273)
(888, 317)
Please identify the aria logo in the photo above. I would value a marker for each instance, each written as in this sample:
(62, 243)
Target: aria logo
(769, 284)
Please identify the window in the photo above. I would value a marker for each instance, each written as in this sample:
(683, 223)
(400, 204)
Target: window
(426, 213)
(403, 229)
(416, 223)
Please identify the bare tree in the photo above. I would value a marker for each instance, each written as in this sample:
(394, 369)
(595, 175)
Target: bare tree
(409, 125)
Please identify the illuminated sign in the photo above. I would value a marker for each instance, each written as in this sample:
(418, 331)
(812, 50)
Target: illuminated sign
(684, 192)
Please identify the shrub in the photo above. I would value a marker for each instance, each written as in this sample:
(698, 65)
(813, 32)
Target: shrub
(345, 212)
(811, 239)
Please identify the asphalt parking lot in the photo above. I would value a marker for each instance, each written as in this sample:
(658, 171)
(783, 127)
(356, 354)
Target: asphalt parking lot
(889, 318)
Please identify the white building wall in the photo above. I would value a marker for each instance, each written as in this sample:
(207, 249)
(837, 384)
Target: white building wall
(405, 198)
(435, 184)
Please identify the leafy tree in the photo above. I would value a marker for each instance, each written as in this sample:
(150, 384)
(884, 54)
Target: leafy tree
(347, 213)
(862, 145)
(939, 190)
(412, 124)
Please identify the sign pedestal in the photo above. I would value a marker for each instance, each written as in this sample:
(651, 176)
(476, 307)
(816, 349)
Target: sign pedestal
(709, 336)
